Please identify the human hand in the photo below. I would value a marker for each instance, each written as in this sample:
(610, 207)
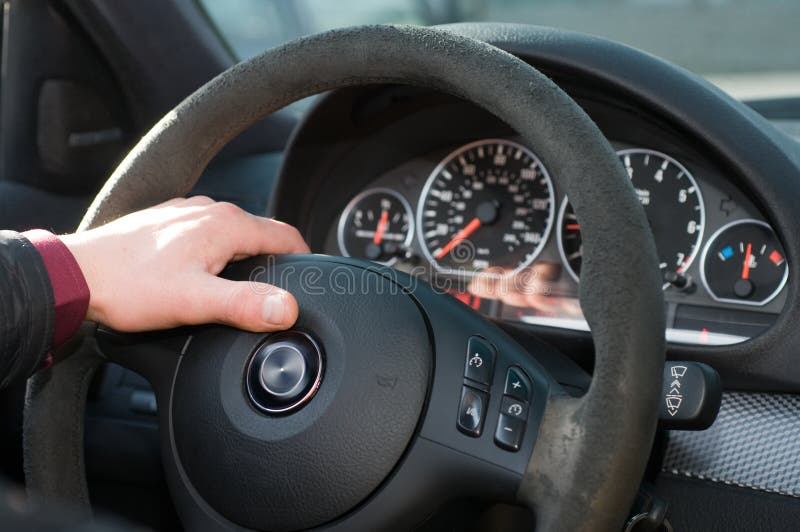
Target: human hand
(157, 268)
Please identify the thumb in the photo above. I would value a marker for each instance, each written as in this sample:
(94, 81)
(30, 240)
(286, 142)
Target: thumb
(256, 307)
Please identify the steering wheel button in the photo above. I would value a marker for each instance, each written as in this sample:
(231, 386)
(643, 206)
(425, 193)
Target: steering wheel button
(471, 411)
(514, 408)
(518, 385)
(283, 372)
(509, 433)
(480, 361)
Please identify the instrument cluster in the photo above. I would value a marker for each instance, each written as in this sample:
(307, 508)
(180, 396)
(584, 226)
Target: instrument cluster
(487, 219)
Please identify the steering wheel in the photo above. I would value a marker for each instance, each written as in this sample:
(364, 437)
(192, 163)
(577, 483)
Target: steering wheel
(361, 432)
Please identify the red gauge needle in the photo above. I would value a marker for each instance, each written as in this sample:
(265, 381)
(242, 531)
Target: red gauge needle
(573, 227)
(382, 223)
(746, 267)
(459, 237)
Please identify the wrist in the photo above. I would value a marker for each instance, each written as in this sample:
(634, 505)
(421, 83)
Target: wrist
(80, 248)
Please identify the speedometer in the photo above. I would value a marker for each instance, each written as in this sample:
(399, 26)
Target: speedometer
(487, 206)
(672, 202)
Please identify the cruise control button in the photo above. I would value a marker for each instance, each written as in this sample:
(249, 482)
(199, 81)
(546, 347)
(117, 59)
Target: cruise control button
(514, 408)
(471, 411)
(509, 433)
(480, 361)
(518, 385)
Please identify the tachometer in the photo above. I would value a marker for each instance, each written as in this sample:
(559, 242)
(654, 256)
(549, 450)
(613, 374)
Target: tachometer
(376, 225)
(672, 202)
(487, 206)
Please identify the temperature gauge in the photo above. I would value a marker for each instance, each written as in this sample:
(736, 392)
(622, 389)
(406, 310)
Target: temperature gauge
(744, 263)
(376, 225)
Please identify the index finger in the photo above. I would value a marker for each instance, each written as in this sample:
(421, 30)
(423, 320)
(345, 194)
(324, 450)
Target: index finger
(255, 235)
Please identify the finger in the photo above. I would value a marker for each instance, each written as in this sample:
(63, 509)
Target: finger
(195, 201)
(251, 306)
(259, 236)
(168, 203)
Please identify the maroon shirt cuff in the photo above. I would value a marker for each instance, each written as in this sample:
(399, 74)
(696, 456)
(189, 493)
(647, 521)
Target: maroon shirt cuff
(70, 291)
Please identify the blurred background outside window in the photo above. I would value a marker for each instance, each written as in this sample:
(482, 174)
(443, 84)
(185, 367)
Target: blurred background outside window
(747, 47)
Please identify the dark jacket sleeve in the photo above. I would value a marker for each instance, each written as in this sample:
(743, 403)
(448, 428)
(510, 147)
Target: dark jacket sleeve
(27, 313)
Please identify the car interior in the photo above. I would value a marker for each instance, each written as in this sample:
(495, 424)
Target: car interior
(552, 283)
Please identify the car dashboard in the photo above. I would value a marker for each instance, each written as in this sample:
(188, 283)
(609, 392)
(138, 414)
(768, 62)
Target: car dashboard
(439, 189)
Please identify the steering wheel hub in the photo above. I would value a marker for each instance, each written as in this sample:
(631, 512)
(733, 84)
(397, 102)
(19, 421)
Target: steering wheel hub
(336, 449)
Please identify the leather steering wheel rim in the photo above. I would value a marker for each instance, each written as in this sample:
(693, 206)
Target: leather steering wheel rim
(591, 452)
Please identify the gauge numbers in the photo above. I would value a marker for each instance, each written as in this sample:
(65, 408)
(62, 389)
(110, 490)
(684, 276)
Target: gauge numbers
(376, 225)
(487, 206)
(672, 202)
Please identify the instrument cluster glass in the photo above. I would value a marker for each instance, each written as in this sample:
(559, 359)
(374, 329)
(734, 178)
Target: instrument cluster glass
(486, 211)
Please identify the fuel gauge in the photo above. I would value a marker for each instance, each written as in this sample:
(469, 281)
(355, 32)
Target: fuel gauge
(744, 263)
(376, 225)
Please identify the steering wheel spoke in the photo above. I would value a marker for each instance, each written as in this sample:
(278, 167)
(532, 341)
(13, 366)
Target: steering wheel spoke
(152, 355)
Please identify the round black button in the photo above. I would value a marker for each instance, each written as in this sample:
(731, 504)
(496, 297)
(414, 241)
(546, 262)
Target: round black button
(284, 372)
